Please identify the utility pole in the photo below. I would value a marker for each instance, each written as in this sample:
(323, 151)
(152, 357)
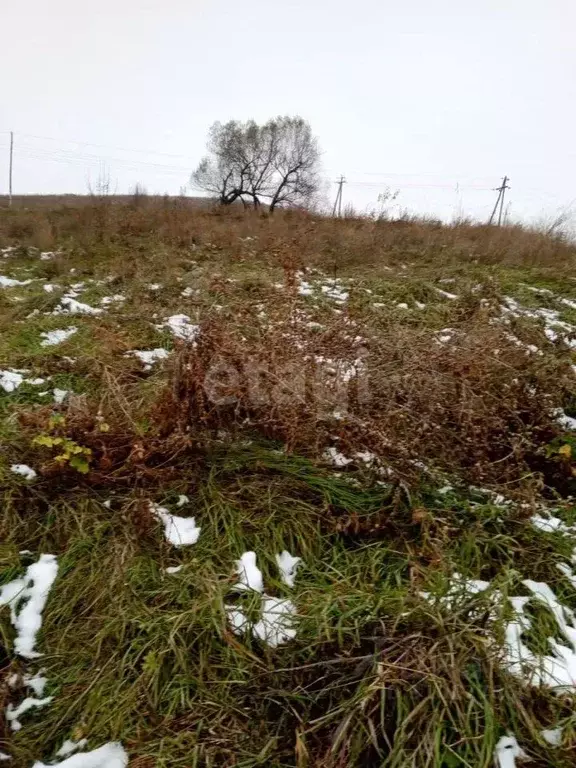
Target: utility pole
(500, 201)
(10, 168)
(338, 201)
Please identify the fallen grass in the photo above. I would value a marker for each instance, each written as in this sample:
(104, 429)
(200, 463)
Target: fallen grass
(377, 674)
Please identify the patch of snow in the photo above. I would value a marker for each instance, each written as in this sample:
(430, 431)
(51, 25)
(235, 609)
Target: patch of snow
(110, 755)
(237, 619)
(8, 282)
(366, 456)
(27, 597)
(24, 470)
(188, 292)
(402, 305)
(70, 746)
(154, 286)
(506, 752)
(149, 356)
(336, 458)
(181, 327)
(334, 291)
(4, 756)
(179, 531)
(552, 736)
(182, 499)
(250, 576)
(10, 380)
(37, 682)
(557, 670)
(50, 287)
(51, 338)
(174, 568)
(60, 395)
(69, 306)
(288, 565)
(564, 420)
(49, 255)
(13, 714)
(552, 524)
(460, 589)
(276, 624)
(446, 294)
(116, 299)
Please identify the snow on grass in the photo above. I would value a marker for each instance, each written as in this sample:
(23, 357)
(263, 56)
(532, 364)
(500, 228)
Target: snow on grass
(459, 589)
(552, 524)
(51, 338)
(552, 736)
(276, 624)
(445, 335)
(568, 572)
(50, 287)
(556, 670)
(4, 756)
(335, 292)
(149, 356)
(506, 752)
(24, 470)
(182, 499)
(69, 306)
(564, 420)
(336, 458)
(37, 682)
(239, 622)
(10, 380)
(181, 326)
(70, 746)
(110, 755)
(118, 298)
(13, 714)
(9, 282)
(174, 568)
(27, 597)
(60, 395)
(446, 294)
(179, 531)
(288, 565)
(250, 576)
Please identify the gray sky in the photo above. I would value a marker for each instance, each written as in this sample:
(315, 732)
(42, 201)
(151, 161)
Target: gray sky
(419, 96)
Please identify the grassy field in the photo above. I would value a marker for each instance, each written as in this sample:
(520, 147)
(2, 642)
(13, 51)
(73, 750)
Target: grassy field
(389, 402)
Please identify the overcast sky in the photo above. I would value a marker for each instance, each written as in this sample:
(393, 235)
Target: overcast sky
(436, 99)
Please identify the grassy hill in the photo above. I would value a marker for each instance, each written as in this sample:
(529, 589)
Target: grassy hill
(389, 402)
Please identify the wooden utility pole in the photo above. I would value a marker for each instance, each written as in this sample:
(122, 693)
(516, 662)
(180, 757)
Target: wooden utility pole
(10, 168)
(338, 201)
(500, 201)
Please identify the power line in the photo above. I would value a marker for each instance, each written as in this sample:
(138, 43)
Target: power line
(105, 146)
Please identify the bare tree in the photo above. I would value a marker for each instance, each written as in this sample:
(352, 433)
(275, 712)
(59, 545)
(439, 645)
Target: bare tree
(277, 162)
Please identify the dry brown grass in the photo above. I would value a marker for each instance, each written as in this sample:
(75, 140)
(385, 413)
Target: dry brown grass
(333, 244)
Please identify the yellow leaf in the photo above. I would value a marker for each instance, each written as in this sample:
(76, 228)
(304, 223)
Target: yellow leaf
(566, 451)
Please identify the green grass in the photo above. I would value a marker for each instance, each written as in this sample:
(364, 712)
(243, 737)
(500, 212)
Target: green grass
(377, 675)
